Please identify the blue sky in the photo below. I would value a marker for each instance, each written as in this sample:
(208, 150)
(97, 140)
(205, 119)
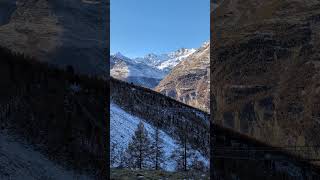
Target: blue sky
(138, 27)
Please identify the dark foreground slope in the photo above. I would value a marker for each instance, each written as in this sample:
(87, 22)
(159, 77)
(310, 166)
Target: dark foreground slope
(238, 156)
(265, 70)
(171, 116)
(61, 114)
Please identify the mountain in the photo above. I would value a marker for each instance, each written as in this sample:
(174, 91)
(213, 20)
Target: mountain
(139, 73)
(146, 71)
(265, 70)
(152, 59)
(175, 58)
(167, 61)
(59, 32)
(189, 81)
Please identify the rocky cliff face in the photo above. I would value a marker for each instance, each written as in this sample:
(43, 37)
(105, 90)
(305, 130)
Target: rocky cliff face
(265, 69)
(189, 81)
(60, 32)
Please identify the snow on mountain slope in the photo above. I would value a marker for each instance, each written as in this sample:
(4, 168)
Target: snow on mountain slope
(123, 125)
(152, 59)
(166, 61)
(125, 69)
(149, 70)
(189, 81)
(175, 58)
(19, 161)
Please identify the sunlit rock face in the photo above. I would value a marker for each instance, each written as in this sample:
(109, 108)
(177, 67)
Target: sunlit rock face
(265, 69)
(61, 32)
(189, 81)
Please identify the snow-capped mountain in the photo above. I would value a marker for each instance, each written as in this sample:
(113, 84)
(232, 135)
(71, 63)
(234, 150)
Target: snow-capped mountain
(189, 81)
(139, 73)
(175, 58)
(149, 70)
(166, 61)
(152, 59)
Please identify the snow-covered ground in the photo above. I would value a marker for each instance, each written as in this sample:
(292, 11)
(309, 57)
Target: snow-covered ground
(19, 161)
(123, 125)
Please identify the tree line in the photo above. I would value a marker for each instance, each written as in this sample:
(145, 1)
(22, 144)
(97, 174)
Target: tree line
(146, 151)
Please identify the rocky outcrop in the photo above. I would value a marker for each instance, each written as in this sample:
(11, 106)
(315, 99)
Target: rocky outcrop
(265, 70)
(189, 81)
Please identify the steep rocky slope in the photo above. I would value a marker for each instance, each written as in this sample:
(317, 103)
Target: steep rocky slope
(265, 70)
(60, 32)
(189, 81)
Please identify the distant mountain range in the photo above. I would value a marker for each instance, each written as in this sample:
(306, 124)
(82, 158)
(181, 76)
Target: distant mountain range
(149, 70)
(182, 74)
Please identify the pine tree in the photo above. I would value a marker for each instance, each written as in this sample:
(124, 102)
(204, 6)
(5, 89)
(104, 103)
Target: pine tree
(158, 159)
(139, 149)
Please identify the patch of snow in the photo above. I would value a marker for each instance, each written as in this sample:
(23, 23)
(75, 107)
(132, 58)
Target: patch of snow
(175, 58)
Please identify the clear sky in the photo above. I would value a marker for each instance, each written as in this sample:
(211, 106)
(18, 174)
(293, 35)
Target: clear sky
(139, 27)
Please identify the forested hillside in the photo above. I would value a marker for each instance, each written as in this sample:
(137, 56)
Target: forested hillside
(178, 132)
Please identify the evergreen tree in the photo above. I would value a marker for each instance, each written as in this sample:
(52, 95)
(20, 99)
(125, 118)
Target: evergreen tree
(158, 159)
(138, 153)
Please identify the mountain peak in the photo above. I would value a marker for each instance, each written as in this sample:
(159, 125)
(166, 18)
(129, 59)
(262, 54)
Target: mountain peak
(120, 55)
(206, 43)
